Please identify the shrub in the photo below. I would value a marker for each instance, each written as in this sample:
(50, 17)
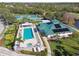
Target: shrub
(42, 53)
(9, 36)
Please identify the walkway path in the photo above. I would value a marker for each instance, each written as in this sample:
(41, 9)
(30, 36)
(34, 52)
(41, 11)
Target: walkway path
(75, 29)
(47, 46)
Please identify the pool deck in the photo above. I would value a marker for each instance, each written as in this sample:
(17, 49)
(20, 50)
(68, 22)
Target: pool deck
(34, 40)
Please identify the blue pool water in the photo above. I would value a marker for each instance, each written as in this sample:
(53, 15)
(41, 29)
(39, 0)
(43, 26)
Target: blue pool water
(32, 17)
(77, 24)
(17, 17)
(28, 34)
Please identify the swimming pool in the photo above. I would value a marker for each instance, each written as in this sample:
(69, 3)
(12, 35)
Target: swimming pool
(18, 17)
(28, 34)
(32, 17)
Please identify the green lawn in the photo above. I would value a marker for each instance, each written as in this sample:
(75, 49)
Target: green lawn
(67, 46)
(42, 53)
(9, 36)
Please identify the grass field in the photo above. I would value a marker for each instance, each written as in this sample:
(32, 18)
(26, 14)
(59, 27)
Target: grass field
(67, 46)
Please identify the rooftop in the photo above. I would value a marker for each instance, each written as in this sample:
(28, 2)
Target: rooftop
(53, 27)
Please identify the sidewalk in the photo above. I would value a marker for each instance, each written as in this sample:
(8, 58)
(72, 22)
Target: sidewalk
(47, 46)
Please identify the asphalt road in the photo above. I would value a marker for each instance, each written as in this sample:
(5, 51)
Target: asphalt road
(2, 27)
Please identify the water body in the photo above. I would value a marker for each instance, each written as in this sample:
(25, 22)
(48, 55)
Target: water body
(28, 34)
(77, 24)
